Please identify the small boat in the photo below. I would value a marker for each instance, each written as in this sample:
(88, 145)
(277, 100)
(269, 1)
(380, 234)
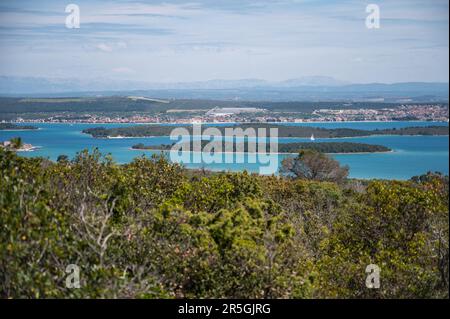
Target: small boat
(312, 137)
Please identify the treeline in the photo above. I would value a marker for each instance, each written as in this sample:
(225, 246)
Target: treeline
(150, 229)
(283, 131)
(323, 147)
(332, 147)
(415, 130)
(75, 105)
(12, 126)
(125, 104)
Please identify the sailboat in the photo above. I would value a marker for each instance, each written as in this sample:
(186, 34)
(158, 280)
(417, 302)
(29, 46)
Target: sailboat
(312, 137)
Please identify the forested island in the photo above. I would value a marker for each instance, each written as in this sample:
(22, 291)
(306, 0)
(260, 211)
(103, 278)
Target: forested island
(283, 131)
(324, 147)
(12, 126)
(152, 229)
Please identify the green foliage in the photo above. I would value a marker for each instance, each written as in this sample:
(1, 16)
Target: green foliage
(122, 105)
(333, 147)
(313, 165)
(149, 229)
(283, 130)
(16, 143)
(400, 226)
(12, 126)
(62, 158)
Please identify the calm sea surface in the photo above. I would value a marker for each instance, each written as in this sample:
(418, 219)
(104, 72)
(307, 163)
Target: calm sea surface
(412, 155)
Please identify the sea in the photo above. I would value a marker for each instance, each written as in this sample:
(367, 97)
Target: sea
(411, 155)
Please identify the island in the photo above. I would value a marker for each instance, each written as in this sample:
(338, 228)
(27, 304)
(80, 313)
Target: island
(323, 147)
(283, 131)
(15, 127)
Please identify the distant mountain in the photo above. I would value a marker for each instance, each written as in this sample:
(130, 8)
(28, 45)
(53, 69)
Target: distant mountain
(312, 81)
(251, 83)
(216, 84)
(313, 88)
(27, 85)
(37, 85)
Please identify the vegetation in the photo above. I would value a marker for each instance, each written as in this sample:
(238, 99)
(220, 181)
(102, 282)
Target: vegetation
(333, 147)
(177, 106)
(324, 147)
(414, 130)
(125, 104)
(11, 126)
(149, 229)
(283, 131)
(313, 165)
(16, 143)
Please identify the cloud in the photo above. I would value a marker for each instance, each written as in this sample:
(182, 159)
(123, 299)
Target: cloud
(122, 45)
(200, 39)
(110, 47)
(123, 70)
(22, 10)
(104, 47)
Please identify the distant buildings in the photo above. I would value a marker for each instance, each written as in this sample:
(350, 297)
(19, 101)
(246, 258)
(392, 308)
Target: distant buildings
(228, 111)
(403, 112)
(413, 112)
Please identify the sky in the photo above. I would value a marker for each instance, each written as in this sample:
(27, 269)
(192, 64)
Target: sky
(198, 40)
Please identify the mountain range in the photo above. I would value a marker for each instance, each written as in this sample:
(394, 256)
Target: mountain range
(313, 88)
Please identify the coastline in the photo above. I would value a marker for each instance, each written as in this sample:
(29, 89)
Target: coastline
(20, 130)
(275, 153)
(28, 149)
(209, 123)
(304, 137)
(25, 148)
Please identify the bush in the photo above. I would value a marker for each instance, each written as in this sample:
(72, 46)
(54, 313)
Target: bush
(149, 229)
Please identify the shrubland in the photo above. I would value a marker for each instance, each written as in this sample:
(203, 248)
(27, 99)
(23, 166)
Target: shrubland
(151, 229)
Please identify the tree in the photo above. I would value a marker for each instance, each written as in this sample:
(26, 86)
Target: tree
(62, 159)
(314, 165)
(16, 143)
(399, 226)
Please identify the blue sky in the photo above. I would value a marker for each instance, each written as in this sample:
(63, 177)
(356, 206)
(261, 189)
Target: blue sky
(182, 41)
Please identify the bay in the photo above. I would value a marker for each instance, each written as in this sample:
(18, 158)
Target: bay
(412, 155)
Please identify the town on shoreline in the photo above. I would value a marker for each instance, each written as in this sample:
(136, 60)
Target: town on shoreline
(122, 109)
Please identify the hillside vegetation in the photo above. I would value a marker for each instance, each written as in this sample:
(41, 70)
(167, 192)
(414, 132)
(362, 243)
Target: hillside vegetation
(128, 104)
(150, 229)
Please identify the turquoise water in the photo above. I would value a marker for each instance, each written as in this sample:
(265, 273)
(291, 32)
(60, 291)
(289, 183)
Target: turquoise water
(413, 155)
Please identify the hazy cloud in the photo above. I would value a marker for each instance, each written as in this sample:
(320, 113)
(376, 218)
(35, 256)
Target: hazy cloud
(104, 47)
(198, 40)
